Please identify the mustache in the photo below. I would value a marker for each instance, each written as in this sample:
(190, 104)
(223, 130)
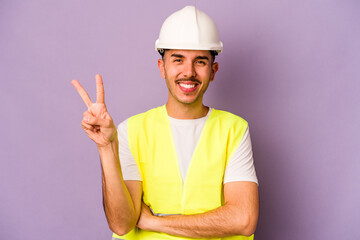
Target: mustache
(192, 79)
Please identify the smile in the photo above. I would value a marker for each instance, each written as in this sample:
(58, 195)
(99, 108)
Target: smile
(188, 86)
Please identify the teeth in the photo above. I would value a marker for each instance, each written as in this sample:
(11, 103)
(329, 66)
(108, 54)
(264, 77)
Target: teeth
(188, 86)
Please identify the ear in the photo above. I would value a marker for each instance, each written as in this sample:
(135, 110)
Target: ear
(214, 69)
(161, 66)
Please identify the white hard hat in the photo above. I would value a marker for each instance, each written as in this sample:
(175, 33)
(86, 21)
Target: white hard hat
(190, 29)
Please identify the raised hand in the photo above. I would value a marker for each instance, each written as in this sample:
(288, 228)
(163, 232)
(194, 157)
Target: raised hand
(97, 122)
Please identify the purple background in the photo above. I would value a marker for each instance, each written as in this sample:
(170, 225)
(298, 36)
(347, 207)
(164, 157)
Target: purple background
(291, 68)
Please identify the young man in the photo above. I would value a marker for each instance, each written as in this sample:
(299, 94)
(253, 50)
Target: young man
(182, 170)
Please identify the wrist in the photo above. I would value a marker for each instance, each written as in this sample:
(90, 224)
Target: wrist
(109, 146)
(152, 223)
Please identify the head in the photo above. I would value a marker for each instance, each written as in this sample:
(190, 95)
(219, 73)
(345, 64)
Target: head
(187, 74)
(188, 43)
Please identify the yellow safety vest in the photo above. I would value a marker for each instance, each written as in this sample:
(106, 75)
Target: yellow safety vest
(152, 145)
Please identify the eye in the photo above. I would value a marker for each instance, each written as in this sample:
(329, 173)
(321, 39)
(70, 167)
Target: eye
(201, 62)
(177, 60)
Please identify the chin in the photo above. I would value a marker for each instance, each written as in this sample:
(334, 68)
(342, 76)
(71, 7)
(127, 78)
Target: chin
(188, 101)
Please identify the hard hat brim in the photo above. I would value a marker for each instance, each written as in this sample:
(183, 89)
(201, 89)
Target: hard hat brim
(211, 47)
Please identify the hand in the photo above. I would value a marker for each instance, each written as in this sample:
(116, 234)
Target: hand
(146, 218)
(96, 122)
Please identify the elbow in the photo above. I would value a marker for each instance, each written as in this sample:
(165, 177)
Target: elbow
(121, 225)
(121, 230)
(245, 226)
(248, 232)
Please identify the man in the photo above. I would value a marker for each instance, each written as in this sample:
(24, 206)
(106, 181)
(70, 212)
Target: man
(182, 170)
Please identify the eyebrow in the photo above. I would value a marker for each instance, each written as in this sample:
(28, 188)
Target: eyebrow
(181, 56)
(177, 55)
(202, 57)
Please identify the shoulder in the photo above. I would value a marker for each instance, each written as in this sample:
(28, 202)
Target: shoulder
(148, 120)
(148, 114)
(138, 117)
(227, 118)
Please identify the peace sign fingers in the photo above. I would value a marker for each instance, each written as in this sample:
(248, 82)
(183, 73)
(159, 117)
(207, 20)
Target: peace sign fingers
(100, 96)
(97, 122)
(83, 94)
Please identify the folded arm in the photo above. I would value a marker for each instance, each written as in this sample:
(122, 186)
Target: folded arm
(238, 216)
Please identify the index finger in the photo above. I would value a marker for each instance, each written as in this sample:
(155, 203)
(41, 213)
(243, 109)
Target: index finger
(100, 95)
(83, 94)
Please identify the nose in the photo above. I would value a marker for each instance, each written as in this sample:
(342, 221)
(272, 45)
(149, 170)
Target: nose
(189, 70)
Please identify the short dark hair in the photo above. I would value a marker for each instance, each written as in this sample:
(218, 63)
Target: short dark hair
(212, 52)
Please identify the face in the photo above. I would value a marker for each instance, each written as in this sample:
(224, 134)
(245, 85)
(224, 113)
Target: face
(188, 74)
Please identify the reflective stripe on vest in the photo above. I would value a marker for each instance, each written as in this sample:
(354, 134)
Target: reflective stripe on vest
(164, 191)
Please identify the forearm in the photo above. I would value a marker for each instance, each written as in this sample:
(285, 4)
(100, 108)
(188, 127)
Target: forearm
(119, 207)
(221, 222)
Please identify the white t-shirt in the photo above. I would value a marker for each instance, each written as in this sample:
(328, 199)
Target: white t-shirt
(186, 133)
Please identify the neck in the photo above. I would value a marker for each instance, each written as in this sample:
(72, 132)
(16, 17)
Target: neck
(186, 111)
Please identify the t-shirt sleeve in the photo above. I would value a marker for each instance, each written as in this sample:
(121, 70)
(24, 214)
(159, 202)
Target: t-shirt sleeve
(241, 166)
(129, 168)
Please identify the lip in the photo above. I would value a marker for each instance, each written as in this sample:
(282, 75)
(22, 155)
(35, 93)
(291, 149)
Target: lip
(188, 90)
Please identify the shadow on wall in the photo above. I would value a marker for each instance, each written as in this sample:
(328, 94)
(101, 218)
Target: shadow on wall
(245, 86)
